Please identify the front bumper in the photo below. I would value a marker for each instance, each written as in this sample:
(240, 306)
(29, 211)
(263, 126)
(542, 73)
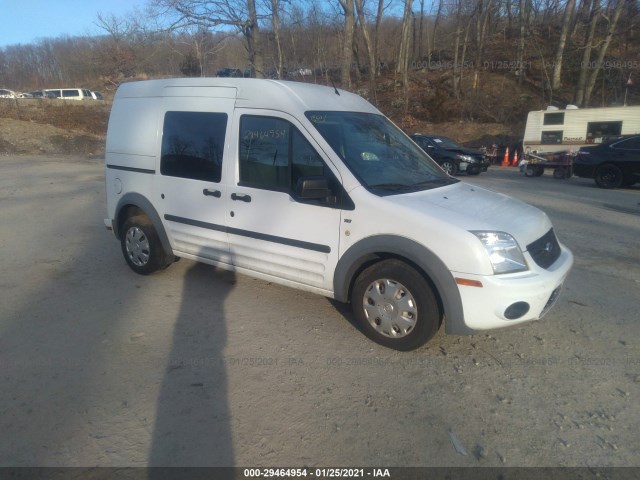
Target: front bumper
(583, 170)
(505, 300)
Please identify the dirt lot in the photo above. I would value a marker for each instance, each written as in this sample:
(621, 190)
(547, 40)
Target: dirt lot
(101, 367)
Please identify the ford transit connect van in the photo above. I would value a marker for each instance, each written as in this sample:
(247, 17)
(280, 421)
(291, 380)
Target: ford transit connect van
(313, 188)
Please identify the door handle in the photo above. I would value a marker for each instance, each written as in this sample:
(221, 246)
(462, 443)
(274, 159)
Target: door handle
(212, 193)
(242, 198)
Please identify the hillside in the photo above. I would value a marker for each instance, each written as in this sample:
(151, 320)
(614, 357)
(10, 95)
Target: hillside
(29, 126)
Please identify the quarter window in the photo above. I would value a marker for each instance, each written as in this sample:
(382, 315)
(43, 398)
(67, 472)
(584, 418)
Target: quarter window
(193, 145)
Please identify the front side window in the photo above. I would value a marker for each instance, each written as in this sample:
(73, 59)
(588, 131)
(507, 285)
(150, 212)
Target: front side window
(381, 156)
(274, 155)
(70, 93)
(193, 145)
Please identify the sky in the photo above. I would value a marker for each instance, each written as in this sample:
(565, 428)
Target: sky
(27, 21)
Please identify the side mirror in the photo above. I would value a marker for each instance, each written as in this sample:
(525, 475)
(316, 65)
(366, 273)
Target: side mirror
(312, 188)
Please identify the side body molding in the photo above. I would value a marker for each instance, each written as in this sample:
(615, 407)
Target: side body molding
(378, 247)
(142, 203)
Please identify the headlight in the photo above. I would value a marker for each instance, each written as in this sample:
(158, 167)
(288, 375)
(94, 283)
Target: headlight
(465, 158)
(503, 250)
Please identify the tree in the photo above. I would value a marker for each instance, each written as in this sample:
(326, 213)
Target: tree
(612, 18)
(562, 42)
(594, 14)
(347, 46)
(241, 15)
(402, 67)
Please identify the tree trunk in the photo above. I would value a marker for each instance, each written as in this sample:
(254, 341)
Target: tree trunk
(252, 35)
(562, 42)
(591, 80)
(275, 24)
(403, 57)
(586, 55)
(347, 48)
(521, 41)
(369, 46)
(436, 22)
(482, 18)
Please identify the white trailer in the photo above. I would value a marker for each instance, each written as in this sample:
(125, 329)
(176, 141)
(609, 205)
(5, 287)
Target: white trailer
(555, 130)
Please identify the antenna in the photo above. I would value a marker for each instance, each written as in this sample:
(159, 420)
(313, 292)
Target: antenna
(335, 89)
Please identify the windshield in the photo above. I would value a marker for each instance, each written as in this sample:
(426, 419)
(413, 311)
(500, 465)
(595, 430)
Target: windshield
(446, 143)
(380, 155)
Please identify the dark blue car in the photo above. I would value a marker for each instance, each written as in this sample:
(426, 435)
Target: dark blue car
(612, 164)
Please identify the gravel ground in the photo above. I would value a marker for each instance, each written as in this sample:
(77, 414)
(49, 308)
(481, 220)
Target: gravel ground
(196, 367)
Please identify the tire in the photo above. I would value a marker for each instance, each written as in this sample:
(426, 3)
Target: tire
(559, 173)
(395, 306)
(530, 171)
(141, 246)
(608, 176)
(449, 167)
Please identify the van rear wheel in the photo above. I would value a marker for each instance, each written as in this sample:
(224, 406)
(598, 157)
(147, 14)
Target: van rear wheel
(141, 246)
(395, 306)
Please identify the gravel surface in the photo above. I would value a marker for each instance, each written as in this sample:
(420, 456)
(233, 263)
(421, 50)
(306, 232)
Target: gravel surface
(195, 367)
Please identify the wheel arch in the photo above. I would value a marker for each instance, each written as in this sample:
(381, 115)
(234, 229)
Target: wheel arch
(132, 204)
(375, 249)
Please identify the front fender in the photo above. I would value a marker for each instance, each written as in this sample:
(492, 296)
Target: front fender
(372, 248)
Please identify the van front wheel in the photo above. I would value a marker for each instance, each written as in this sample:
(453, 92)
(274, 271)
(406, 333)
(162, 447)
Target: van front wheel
(141, 246)
(395, 306)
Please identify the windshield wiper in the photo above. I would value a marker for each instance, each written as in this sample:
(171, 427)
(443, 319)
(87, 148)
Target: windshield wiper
(392, 186)
(435, 182)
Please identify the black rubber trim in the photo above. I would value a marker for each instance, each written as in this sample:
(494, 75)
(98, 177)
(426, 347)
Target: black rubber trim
(195, 223)
(131, 169)
(374, 248)
(316, 247)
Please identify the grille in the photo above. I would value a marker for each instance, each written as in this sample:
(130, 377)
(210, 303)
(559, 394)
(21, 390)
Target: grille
(545, 250)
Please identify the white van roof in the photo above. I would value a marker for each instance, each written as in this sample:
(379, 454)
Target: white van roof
(252, 93)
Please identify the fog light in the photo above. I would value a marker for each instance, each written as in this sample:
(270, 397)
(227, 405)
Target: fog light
(516, 310)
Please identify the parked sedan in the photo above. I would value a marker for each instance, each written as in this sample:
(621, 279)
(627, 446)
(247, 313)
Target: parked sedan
(612, 164)
(452, 157)
(4, 93)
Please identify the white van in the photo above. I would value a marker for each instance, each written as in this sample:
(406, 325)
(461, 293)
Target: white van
(69, 93)
(313, 188)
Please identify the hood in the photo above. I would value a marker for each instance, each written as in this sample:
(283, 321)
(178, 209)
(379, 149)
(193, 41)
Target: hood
(474, 208)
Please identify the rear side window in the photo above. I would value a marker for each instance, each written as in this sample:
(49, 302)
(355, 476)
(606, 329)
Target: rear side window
(629, 144)
(70, 93)
(193, 145)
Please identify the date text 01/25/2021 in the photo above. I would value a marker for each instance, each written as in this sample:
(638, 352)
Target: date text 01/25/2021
(317, 472)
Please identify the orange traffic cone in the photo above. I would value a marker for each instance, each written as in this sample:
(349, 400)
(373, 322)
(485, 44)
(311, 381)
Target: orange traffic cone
(505, 160)
(515, 159)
